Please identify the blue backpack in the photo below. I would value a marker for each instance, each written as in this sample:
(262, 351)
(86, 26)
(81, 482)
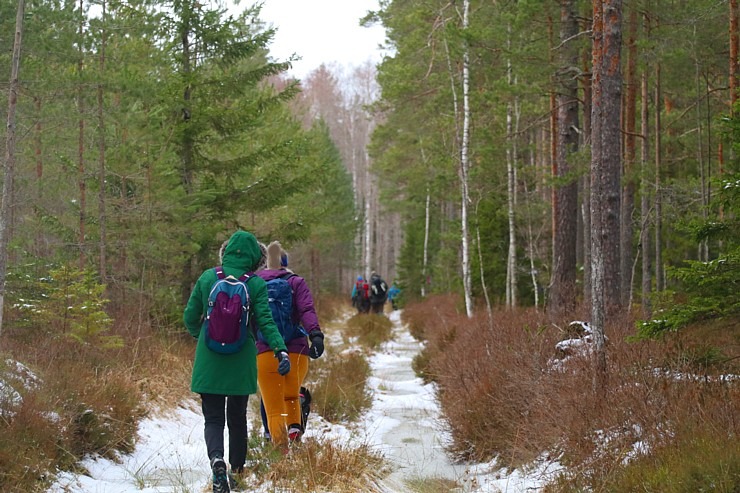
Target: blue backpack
(227, 316)
(280, 298)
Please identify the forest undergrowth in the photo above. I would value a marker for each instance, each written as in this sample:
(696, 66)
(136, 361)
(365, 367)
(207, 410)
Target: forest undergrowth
(666, 421)
(65, 398)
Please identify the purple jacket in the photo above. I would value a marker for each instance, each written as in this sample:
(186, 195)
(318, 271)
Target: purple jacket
(303, 311)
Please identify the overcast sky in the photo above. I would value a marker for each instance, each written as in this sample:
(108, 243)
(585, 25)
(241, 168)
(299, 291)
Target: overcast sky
(321, 31)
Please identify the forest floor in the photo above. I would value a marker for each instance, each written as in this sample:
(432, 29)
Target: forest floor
(403, 424)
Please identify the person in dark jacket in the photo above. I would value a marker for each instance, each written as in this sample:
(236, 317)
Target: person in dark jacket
(378, 293)
(225, 381)
(281, 394)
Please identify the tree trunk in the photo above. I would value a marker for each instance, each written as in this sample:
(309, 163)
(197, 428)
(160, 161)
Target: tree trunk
(658, 205)
(462, 138)
(703, 245)
(81, 143)
(464, 169)
(565, 193)
(489, 310)
(425, 262)
(531, 237)
(38, 248)
(733, 54)
(645, 200)
(605, 170)
(101, 157)
(368, 239)
(734, 46)
(553, 157)
(598, 294)
(510, 199)
(37, 147)
(629, 188)
(186, 150)
(9, 164)
(585, 183)
(611, 152)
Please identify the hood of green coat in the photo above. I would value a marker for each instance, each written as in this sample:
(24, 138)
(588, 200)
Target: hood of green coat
(242, 252)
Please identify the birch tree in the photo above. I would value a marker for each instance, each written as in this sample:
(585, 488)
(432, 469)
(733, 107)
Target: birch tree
(462, 136)
(511, 152)
(465, 169)
(425, 255)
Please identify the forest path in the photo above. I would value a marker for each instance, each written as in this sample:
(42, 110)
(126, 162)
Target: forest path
(404, 421)
(403, 424)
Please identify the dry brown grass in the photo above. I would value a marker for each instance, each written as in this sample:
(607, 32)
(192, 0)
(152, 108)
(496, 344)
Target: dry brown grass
(322, 465)
(432, 485)
(502, 396)
(78, 406)
(370, 331)
(417, 315)
(87, 399)
(337, 380)
(338, 386)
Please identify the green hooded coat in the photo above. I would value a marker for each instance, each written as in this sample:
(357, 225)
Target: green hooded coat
(231, 374)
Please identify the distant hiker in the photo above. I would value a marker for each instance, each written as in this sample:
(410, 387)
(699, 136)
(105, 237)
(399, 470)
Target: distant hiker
(361, 295)
(378, 293)
(294, 313)
(393, 293)
(225, 366)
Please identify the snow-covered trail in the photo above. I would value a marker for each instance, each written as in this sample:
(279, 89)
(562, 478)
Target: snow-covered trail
(404, 420)
(403, 424)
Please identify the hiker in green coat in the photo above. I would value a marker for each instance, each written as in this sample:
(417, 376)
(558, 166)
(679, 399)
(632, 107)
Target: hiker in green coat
(226, 380)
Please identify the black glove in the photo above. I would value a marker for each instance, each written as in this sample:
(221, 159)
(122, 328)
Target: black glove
(283, 362)
(317, 345)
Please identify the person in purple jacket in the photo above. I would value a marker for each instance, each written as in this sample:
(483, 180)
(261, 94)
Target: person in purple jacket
(281, 394)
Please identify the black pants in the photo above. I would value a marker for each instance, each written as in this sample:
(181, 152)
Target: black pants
(236, 419)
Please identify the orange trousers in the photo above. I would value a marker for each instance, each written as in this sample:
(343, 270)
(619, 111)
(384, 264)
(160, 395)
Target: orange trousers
(280, 394)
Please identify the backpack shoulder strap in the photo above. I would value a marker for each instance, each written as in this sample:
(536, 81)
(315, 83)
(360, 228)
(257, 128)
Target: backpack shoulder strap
(287, 275)
(244, 278)
(222, 275)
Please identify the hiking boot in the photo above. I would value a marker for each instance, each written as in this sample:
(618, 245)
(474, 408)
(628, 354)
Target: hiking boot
(220, 476)
(294, 435)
